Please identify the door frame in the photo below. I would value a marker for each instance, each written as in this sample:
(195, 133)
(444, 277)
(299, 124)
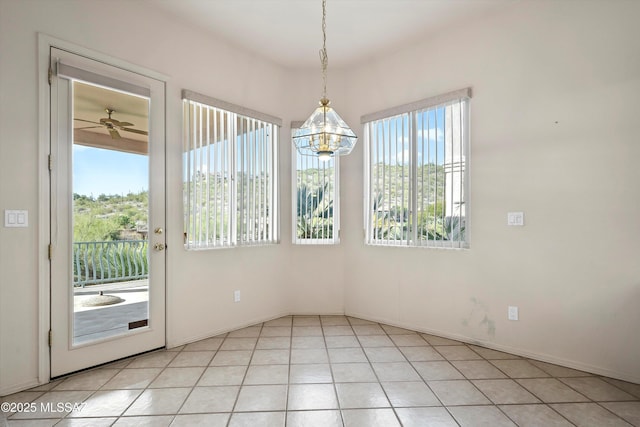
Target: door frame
(45, 43)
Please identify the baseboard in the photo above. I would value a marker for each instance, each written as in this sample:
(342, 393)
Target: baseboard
(597, 370)
(15, 388)
(315, 313)
(213, 333)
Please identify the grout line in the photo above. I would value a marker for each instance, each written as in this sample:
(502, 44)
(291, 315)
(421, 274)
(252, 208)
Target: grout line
(386, 395)
(147, 386)
(286, 402)
(333, 378)
(194, 384)
(246, 372)
(353, 326)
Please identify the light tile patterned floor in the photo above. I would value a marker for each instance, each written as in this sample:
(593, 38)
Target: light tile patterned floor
(331, 371)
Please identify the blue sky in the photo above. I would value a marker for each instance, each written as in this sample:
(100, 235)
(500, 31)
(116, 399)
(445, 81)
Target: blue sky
(394, 134)
(97, 171)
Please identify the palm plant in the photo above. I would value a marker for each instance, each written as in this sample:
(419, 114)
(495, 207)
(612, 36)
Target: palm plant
(391, 223)
(454, 228)
(439, 227)
(314, 212)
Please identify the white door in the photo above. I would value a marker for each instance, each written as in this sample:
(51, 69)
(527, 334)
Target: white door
(107, 213)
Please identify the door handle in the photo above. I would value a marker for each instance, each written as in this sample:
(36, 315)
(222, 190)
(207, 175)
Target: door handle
(159, 247)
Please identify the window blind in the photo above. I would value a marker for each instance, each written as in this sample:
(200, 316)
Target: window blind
(417, 175)
(230, 178)
(315, 198)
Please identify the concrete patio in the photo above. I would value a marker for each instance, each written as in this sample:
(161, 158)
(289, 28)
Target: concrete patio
(97, 322)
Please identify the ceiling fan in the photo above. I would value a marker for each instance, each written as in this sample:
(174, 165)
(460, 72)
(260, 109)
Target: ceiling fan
(113, 125)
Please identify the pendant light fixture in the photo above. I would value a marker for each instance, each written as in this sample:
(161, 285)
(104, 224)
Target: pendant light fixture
(324, 133)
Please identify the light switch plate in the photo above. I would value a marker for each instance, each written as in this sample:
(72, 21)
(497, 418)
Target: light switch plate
(16, 218)
(515, 218)
(512, 313)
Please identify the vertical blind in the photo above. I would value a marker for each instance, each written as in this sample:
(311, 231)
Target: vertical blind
(230, 178)
(315, 198)
(416, 175)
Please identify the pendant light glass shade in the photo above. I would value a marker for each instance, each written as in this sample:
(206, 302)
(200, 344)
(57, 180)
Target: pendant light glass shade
(324, 134)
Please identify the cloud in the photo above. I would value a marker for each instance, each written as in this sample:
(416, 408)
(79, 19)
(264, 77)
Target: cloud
(431, 133)
(402, 158)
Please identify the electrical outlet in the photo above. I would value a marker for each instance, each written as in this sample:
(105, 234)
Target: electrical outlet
(515, 219)
(513, 313)
(236, 296)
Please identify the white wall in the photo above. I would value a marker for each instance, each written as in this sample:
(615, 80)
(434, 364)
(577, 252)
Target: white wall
(200, 284)
(554, 133)
(317, 281)
(572, 269)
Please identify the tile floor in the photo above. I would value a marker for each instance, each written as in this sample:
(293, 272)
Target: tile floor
(330, 371)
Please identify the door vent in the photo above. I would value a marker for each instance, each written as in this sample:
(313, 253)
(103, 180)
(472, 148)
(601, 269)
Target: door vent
(139, 324)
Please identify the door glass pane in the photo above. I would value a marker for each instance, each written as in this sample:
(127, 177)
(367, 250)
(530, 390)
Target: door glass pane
(110, 198)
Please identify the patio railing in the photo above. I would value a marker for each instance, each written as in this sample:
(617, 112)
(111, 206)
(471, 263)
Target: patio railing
(106, 262)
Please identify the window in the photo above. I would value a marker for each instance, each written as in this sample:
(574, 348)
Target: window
(315, 198)
(416, 173)
(230, 174)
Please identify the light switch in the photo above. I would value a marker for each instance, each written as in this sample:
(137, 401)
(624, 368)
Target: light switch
(515, 218)
(14, 218)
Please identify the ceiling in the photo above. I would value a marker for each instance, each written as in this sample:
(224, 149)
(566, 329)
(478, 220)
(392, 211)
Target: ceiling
(90, 103)
(289, 32)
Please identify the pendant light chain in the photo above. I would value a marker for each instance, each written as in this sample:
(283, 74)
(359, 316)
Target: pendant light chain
(323, 52)
(324, 134)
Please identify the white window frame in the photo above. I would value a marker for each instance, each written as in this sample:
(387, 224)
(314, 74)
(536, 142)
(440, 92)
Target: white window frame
(255, 146)
(334, 239)
(408, 123)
